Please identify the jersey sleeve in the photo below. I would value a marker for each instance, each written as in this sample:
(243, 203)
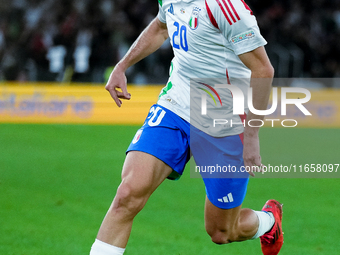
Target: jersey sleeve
(161, 14)
(237, 23)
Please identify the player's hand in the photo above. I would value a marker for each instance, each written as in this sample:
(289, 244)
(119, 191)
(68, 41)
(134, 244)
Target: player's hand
(118, 81)
(251, 154)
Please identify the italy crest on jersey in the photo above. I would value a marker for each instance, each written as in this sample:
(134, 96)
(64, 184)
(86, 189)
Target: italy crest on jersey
(193, 21)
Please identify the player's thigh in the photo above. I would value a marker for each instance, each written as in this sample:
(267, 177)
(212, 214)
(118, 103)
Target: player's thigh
(143, 173)
(159, 150)
(164, 135)
(220, 162)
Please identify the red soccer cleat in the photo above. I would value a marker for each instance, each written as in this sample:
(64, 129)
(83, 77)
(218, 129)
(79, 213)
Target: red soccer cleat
(271, 242)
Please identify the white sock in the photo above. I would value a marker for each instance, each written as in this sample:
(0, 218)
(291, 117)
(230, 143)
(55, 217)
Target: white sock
(266, 222)
(101, 248)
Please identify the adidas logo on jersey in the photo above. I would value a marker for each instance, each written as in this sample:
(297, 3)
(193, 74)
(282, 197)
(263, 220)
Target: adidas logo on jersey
(227, 199)
(171, 9)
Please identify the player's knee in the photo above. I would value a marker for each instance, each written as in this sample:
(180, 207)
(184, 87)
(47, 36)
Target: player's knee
(127, 201)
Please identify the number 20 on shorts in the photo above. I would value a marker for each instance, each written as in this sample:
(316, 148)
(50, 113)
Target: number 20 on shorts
(155, 116)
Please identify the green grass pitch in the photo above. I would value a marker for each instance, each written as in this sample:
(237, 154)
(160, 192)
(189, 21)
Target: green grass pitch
(57, 182)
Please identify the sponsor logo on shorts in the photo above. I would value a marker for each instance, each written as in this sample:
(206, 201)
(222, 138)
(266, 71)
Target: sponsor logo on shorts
(227, 199)
(242, 37)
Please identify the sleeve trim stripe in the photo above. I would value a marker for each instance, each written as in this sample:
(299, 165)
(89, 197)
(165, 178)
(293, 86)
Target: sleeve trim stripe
(225, 14)
(211, 17)
(232, 15)
(232, 7)
(228, 9)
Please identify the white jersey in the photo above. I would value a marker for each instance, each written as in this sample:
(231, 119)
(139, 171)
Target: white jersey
(206, 36)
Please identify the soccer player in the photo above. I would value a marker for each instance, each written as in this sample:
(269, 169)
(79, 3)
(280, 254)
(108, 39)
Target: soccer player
(210, 38)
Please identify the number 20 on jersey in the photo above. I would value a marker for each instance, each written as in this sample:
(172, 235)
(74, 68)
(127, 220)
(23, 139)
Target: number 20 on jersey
(181, 33)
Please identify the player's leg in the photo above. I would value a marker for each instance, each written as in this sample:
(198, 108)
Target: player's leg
(237, 224)
(226, 185)
(225, 220)
(142, 174)
(159, 150)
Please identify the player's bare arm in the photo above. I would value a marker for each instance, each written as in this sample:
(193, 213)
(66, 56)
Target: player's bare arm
(261, 80)
(148, 42)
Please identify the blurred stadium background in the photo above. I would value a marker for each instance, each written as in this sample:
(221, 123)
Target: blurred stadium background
(77, 40)
(63, 141)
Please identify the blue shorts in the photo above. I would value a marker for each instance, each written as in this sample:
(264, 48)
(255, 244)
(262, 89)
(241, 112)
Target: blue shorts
(171, 139)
